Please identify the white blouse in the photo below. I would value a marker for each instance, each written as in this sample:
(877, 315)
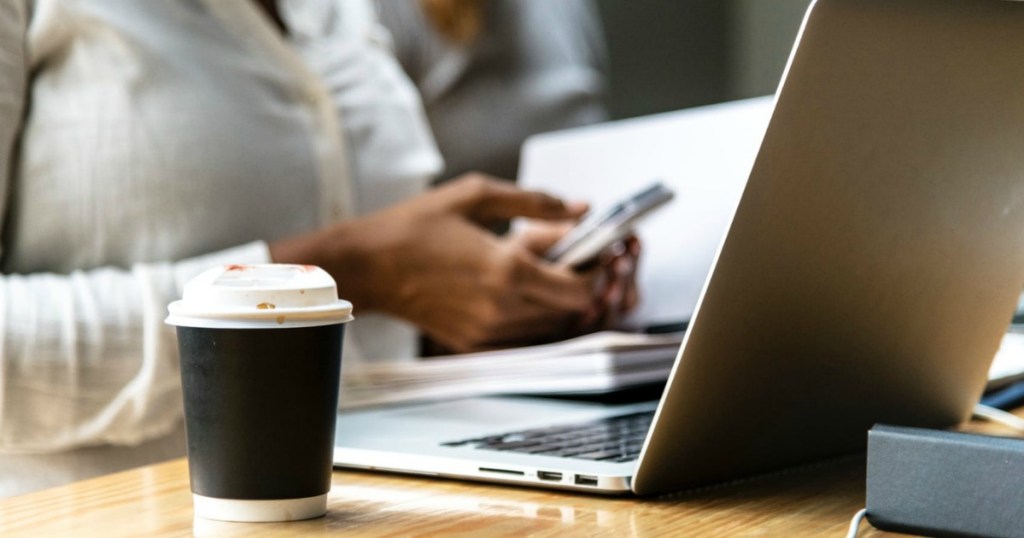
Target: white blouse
(141, 142)
(537, 66)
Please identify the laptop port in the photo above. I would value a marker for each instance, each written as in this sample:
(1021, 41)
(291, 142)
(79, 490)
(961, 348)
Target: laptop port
(500, 471)
(550, 476)
(585, 480)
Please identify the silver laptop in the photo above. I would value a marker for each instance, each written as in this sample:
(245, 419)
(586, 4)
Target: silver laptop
(870, 270)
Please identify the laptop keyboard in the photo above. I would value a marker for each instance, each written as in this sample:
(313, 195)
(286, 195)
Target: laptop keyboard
(613, 439)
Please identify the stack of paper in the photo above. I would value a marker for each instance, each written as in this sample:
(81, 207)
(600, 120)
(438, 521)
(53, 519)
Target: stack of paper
(599, 362)
(1008, 365)
(595, 363)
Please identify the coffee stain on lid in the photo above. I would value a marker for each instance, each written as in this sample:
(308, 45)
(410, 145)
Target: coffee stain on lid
(266, 306)
(235, 267)
(280, 320)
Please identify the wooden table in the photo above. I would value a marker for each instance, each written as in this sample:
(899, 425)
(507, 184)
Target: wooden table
(155, 501)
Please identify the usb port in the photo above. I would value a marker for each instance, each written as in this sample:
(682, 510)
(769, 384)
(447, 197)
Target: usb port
(585, 480)
(549, 475)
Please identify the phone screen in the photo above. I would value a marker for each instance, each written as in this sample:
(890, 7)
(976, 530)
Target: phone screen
(599, 231)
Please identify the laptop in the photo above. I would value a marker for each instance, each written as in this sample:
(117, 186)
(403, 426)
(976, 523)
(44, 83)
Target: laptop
(868, 274)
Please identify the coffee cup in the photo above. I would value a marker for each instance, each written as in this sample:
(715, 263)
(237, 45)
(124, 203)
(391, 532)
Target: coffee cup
(260, 349)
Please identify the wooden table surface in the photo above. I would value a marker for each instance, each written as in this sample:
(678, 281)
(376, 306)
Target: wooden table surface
(155, 501)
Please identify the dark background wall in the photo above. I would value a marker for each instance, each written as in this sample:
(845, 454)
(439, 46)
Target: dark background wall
(671, 54)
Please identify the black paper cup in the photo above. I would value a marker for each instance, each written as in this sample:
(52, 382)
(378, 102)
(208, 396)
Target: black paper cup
(260, 349)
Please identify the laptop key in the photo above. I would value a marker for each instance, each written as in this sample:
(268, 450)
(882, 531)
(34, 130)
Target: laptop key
(599, 455)
(543, 449)
(512, 446)
(568, 453)
(612, 439)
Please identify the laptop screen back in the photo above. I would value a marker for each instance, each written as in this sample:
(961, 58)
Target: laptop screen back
(877, 251)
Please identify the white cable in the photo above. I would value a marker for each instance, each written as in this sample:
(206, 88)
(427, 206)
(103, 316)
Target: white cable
(999, 416)
(855, 523)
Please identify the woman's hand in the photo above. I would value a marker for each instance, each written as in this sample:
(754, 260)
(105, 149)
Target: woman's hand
(615, 278)
(432, 261)
(618, 290)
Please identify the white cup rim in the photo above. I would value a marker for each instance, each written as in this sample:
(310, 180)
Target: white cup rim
(260, 296)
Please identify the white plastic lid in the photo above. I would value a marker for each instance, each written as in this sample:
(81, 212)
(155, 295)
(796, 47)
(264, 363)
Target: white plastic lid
(260, 296)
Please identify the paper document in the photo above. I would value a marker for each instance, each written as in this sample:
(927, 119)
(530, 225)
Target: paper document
(703, 154)
(598, 362)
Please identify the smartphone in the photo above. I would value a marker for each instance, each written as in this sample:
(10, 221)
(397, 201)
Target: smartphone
(600, 230)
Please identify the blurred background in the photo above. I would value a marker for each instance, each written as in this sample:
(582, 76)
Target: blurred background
(671, 54)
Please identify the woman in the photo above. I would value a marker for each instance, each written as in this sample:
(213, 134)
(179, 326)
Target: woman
(493, 72)
(141, 142)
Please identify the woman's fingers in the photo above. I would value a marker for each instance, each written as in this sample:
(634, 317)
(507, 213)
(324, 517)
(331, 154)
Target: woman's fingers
(486, 200)
(539, 237)
(549, 285)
